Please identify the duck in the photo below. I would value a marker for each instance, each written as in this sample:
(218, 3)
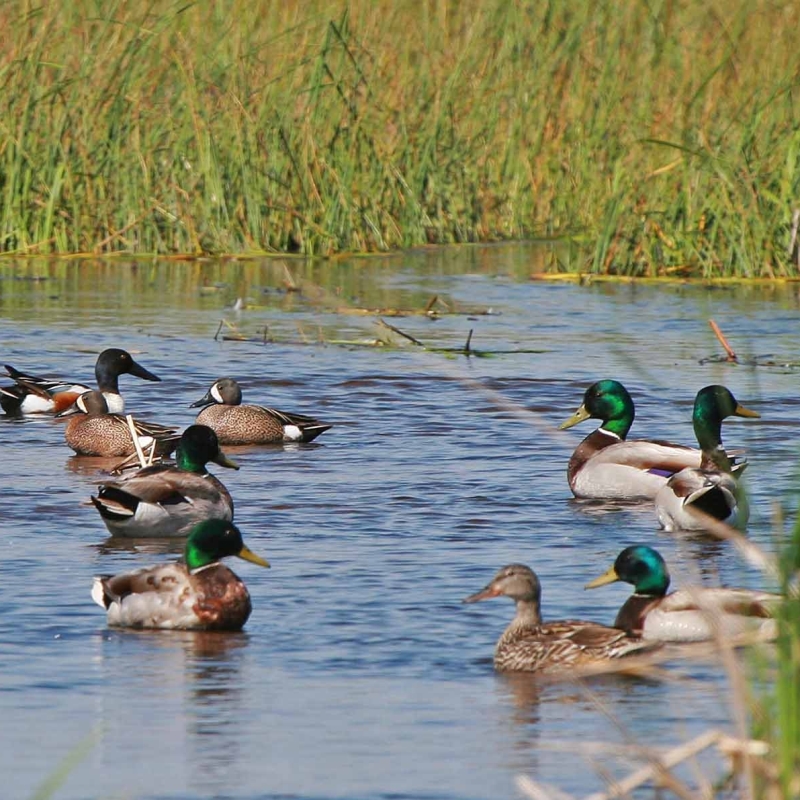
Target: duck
(166, 500)
(236, 424)
(608, 466)
(685, 615)
(712, 488)
(530, 645)
(36, 395)
(93, 431)
(199, 593)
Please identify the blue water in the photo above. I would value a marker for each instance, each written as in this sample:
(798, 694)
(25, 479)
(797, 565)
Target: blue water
(360, 674)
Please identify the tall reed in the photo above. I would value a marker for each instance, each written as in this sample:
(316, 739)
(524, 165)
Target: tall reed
(778, 716)
(661, 136)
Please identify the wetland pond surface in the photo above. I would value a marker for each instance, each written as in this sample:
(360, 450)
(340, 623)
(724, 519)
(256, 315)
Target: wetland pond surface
(360, 674)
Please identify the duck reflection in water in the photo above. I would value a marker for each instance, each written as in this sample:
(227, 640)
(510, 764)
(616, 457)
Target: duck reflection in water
(216, 701)
(119, 544)
(208, 682)
(524, 693)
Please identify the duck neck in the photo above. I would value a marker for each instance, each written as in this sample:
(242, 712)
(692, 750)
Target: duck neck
(527, 616)
(633, 612)
(620, 422)
(189, 464)
(708, 430)
(526, 619)
(107, 381)
(716, 460)
(707, 425)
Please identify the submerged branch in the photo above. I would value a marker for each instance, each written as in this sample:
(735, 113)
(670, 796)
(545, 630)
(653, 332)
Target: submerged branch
(723, 341)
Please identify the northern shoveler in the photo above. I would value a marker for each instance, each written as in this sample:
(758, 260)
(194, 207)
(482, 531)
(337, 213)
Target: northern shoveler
(35, 395)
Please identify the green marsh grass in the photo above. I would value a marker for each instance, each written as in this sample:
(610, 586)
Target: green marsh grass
(777, 718)
(660, 138)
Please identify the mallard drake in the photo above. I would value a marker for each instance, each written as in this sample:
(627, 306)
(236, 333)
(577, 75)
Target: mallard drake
(687, 615)
(36, 395)
(711, 489)
(238, 424)
(198, 594)
(93, 431)
(529, 645)
(607, 466)
(164, 500)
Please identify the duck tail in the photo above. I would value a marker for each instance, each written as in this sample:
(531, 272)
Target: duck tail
(114, 504)
(310, 432)
(99, 593)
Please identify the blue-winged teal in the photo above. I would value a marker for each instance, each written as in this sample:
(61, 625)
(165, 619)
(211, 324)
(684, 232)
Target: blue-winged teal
(712, 489)
(198, 594)
(687, 615)
(607, 466)
(529, 645)
(238, 424)
(92, 431)
(166, 500)
(35, 395)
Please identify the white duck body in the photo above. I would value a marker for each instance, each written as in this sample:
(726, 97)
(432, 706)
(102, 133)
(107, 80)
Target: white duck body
(713, 494)
(686, 615)
(698, 615)
(606, 467)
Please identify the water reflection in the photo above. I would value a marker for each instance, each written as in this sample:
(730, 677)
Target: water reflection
(603, 508)
(124, 544)
(216, 701)
(704, 549)
(524, 691)
(192, 697)
(98, 467)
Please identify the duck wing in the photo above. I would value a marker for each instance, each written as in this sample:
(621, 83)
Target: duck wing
(744, 602)
(309, 427)
(650, 455)
(110, 589)
(161, 485)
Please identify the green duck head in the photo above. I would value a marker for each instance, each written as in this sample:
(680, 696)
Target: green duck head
(712, 405)
(198, 446)
(608, 401)
(214, 539)
(641, 566)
